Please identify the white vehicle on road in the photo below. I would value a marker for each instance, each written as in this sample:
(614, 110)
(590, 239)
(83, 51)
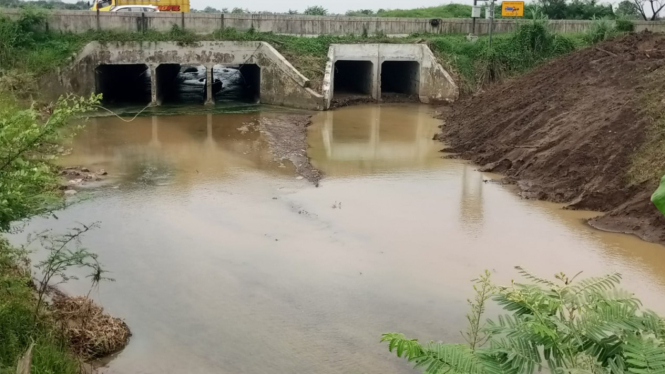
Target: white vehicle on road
(135, 8)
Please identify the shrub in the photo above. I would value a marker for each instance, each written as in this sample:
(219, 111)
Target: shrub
(601, 29)
(585, 326)
(624, 25)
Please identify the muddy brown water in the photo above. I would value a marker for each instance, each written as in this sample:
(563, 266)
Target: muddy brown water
(226, 263)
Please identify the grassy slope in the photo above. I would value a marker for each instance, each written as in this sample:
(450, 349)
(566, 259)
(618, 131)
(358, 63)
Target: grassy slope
(18, 327)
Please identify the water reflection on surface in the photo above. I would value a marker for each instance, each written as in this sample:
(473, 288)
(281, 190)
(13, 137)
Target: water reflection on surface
(225, 263)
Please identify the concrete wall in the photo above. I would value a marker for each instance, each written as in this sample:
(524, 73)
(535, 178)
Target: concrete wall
(281, 83)
(435, 84)
(81, 21)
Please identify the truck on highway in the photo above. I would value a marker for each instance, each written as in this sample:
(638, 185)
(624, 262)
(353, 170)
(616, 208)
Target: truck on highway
(162, 5)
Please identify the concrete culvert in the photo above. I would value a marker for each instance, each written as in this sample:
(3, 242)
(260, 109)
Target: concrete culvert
(400, 78)
(123, 84)
(352, 78)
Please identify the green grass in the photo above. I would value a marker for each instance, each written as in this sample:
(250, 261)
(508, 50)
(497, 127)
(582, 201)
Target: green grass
(18, 329)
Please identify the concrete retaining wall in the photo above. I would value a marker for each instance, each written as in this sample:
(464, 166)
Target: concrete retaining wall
(281, 83)
(434, 82)
(81, 21)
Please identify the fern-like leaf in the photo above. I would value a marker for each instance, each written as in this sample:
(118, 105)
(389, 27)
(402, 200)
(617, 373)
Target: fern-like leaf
(645, 356)
(596, 284)
(439, 358)
(407, 348)
(533, 278)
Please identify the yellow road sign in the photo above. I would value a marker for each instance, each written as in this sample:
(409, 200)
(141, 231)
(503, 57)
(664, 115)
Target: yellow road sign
(512, 9)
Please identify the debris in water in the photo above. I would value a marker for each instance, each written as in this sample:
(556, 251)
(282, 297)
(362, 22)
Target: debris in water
(91, 332)
(299, 177)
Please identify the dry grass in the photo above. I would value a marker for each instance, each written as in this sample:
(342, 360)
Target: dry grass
(91, 332)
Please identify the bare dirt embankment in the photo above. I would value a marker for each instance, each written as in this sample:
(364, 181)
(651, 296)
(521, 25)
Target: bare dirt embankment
(569, 131)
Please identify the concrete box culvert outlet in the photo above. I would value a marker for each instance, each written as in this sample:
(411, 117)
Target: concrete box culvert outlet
(269, 77)
(403, 69)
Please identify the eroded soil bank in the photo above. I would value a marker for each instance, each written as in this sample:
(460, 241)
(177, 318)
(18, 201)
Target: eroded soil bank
(569, 130)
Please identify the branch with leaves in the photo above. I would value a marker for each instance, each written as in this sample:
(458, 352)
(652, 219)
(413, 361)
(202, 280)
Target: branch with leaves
(64, 252)
(28, 143)
(569, 325)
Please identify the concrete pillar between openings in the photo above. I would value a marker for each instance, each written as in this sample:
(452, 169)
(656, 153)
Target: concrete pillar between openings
(210, 100)
(376, 79)
(154, 101)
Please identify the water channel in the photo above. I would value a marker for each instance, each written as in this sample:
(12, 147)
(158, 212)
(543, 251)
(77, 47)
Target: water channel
(225, 262)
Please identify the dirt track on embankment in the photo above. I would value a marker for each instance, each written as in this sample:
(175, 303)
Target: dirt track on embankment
(567, 131)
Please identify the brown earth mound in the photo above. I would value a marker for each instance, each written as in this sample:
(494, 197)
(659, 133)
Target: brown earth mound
(566, 131)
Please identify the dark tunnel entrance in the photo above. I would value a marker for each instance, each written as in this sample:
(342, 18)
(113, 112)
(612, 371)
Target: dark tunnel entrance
(352, 78)
(237, 83)
(400, 78)
(123, 84)
(181, 83)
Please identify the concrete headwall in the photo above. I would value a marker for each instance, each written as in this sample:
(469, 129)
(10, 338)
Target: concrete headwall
(281, 83)
(81, 21)
(435, 84)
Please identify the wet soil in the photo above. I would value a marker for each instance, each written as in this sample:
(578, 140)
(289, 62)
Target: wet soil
(566, 132)
(287, 138)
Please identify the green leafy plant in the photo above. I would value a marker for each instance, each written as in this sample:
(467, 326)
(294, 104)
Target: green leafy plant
(569, 325)
(29, 140)
(316, 10)
(624, 25)
(658, 197)
(601, 29)
(64, 252)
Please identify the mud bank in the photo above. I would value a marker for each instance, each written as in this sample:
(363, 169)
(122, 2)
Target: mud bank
(567, 131)
(287, 138)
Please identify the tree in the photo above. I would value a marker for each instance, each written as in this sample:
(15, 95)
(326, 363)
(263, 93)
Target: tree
(238, 11)
(649, 9)
(586, 326)
(316, 11)
(627, 9)
(210, 9)
(28, 141)
(361, 12)
(293, 11)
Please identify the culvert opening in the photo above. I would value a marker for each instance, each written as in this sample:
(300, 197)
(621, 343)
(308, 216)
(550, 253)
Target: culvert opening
(237, 83)
(400, 79)
(352, 78)
(181, 83)
(123, 84)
